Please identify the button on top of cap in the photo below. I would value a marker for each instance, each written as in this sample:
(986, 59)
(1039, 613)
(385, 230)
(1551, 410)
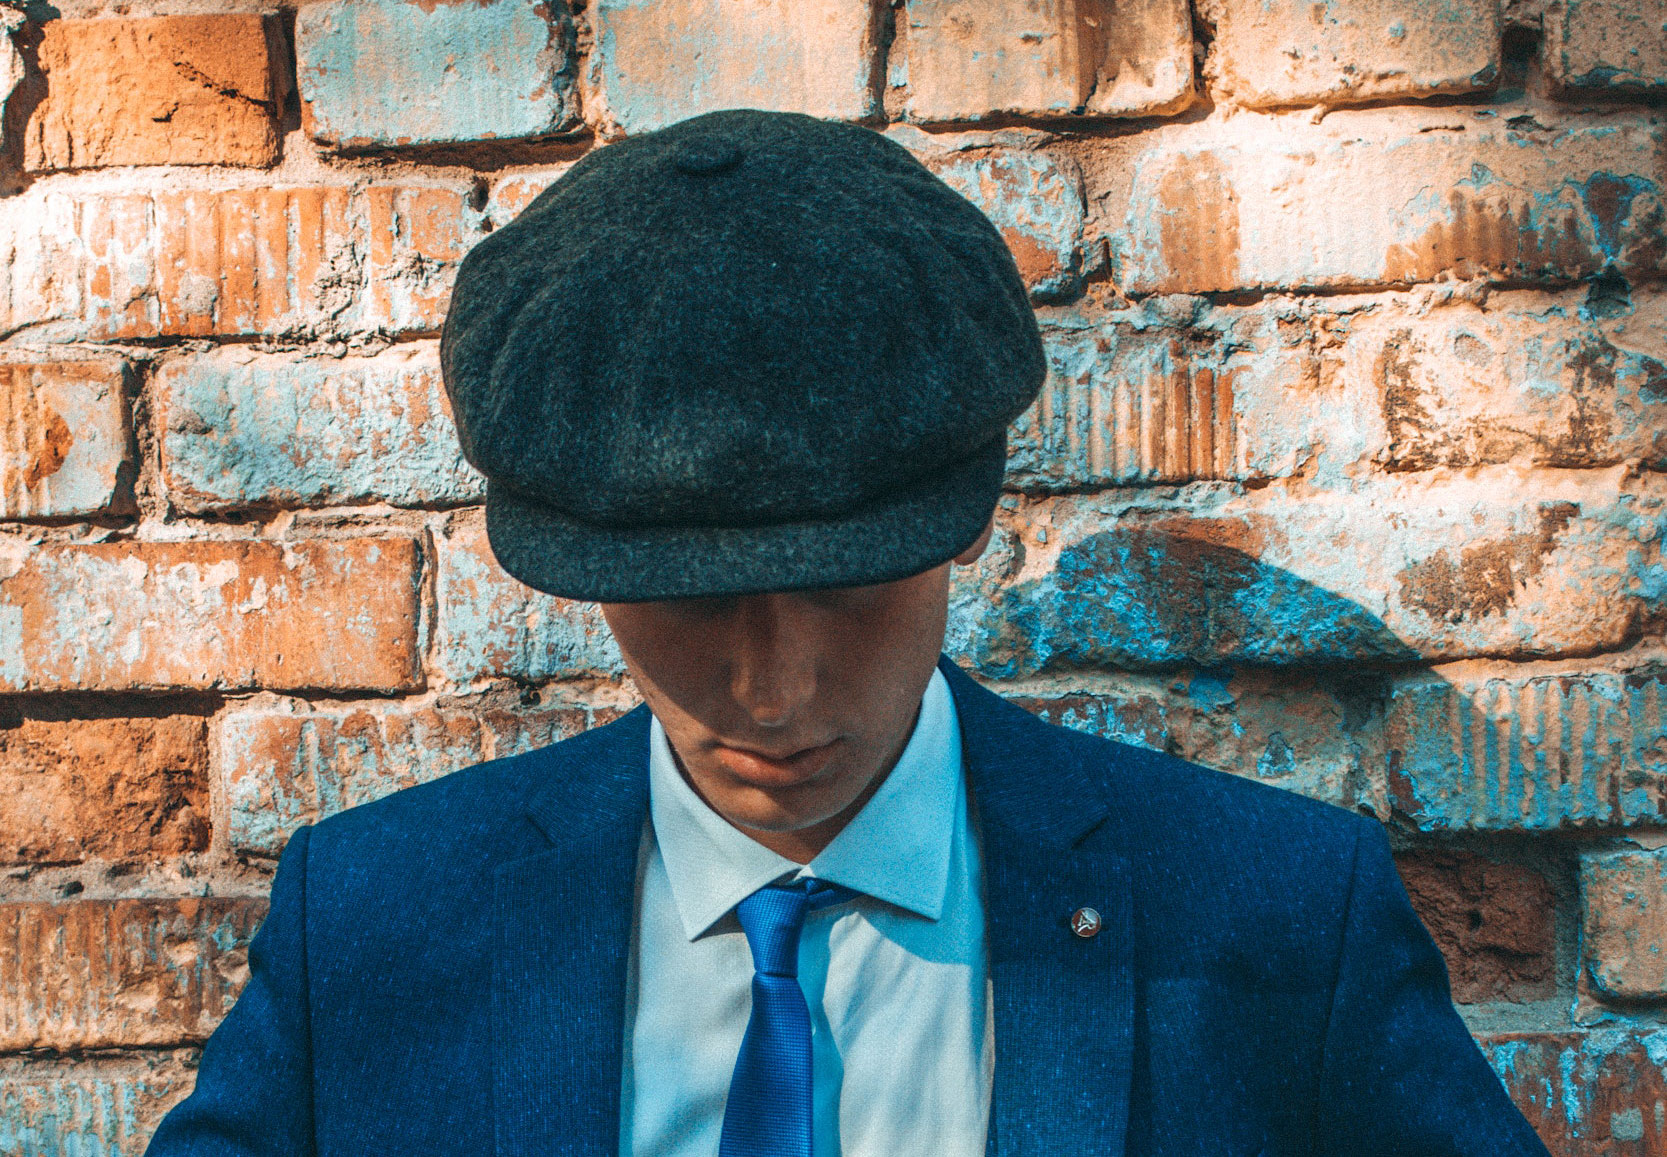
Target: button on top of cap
(699, 158)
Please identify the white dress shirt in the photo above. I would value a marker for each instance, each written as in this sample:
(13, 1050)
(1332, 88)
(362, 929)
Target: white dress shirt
(902, 1030)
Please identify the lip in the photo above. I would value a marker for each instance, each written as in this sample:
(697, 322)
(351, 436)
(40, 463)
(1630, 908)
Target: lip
(762, 770)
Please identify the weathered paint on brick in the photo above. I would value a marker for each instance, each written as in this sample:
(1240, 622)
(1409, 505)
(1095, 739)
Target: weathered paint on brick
(105, 973)
(511, 195)
(1336, 389)
(1587, 1092)
(339, 613)
(165, 90)
(1395, 568)
(660, 61)
(249, 429)
(968, 59)
(489, 625)
(113, 788)
(1301, 732)
(379, 73)
(289, 763)
(1494, 922)
(1268, 53)
(1468, 386)
(107, 1107)
(1606, 46)
(1127, 401)
(1623, 934)
(1494, 749)
(1036, 202)
(304, 261)
(64, 441)
(1266, 203)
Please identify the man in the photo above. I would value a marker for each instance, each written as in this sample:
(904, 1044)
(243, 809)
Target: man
(745, 383)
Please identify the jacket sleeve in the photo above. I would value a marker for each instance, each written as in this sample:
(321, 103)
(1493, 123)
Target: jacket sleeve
(1401, 1076)
(253, 1096)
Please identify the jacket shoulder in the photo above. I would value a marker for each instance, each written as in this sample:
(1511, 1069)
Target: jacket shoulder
(1190, 803)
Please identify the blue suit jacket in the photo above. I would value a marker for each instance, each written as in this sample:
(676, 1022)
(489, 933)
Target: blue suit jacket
(443, 971)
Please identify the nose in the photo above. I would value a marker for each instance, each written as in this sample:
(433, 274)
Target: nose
(773, 675)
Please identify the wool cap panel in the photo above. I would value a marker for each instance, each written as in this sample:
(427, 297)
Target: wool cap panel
(751, 351)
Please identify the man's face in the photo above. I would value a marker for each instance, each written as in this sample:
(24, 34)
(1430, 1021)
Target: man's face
(785, 710)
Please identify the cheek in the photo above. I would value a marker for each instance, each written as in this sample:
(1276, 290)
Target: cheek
(898, 643)
(664, 662)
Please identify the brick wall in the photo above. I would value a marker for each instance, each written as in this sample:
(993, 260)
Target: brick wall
(1351, 475)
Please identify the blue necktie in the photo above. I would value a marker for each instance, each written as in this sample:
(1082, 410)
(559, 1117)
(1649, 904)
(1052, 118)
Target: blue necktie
(769, 1108)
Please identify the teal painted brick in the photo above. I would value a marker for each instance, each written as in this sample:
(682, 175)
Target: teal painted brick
(107, 1107)
(488, 625)
(1036, 202)
(1500, 750)
(249, 429)
(1587, 1092)
(381, 73)
(91, 974)
(288, 763)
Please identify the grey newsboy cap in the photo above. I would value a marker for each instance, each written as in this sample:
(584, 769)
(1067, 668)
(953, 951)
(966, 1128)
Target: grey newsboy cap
(750, 352)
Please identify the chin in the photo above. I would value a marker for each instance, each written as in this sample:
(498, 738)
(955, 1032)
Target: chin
(780, 817)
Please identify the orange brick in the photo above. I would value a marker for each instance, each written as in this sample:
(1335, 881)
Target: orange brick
(204, 262)
(1623, 926)
(1383, 197)
(102, 973)
(1606, 46)
(122, 615)
(1495, 923)
(64, 445)
(115, 788)
(1285, 52)
(488, 625)
(969, 59)
(169, 90)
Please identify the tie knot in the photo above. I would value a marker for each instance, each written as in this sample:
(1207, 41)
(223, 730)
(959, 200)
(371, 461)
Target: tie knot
(773, 917)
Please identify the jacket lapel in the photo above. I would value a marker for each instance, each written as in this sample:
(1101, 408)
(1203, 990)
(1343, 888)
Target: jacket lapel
(1064, 1005)
(563, 931)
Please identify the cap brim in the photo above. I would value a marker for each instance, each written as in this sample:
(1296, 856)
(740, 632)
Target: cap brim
(909, 531)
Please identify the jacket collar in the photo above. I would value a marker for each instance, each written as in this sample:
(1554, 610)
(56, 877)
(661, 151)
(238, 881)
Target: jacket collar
(1027, 776)
(1064, 1006)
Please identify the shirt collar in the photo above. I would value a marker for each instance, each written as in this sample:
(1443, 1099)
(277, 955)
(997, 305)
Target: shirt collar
(895, 849)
